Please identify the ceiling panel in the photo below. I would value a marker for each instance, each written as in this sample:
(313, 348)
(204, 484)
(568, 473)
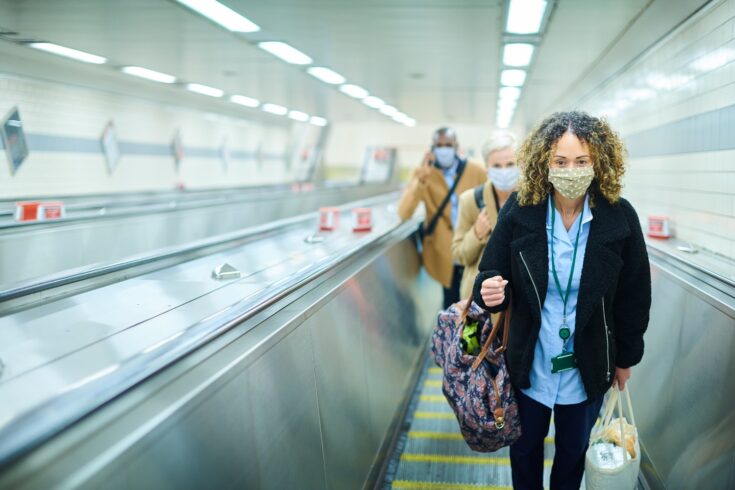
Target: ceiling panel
(435, 60)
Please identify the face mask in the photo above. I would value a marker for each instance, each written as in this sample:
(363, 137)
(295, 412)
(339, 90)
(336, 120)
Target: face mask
(571, 182)
(504, 179)
(444, 156)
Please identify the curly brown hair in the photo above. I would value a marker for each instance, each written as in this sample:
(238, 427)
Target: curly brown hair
(607, 153)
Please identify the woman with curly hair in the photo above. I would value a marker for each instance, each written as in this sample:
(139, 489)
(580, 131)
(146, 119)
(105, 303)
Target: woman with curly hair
(571, 252)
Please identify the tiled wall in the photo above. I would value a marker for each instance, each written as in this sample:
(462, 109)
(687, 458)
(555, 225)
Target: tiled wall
(676, 108)
(64, 123)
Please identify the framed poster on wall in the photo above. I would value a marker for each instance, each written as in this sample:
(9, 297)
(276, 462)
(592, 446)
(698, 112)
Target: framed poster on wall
(177, 149)
(377, 164)
(14, 139)
(110, 148)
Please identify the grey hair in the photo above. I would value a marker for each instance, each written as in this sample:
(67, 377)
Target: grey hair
(498, 141)
(445, 131)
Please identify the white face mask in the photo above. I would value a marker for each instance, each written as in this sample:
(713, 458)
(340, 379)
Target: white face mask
(504, 179)
(445, 156)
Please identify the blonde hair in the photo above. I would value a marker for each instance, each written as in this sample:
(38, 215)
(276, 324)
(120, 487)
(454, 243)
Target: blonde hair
(499, 140)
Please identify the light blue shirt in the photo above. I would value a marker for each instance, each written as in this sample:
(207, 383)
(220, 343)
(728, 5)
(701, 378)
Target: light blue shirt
(563, 388)
(449, 175)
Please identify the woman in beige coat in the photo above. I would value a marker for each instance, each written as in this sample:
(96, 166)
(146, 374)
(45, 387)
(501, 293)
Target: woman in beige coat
(474, 225)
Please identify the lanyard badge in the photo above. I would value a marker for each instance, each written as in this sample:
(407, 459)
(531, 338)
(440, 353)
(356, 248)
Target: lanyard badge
(566, 360)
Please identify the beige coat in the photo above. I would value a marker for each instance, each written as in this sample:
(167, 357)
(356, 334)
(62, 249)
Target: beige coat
(437, 248)
(466, 247)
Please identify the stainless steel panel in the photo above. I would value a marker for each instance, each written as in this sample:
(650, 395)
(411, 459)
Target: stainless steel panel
(684, 389)
(342, 391)
(29, 252)
(299, 396)
(285, 415)
(193, 449)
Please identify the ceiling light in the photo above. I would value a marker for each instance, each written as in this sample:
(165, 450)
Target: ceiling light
(204, 89)
(410, 122)
(221, 14)
(513, 78)
(507, 104)
(326, 75)
(509, 93)
(298, 116)
(517, 54)
(69, 53)
(246, 101)
(525, 16)
(374, 102)
(504, 118)
(353, 91)
(155, 76)
(388, 110)
(286, 52)
(276, 109)
(318, 121)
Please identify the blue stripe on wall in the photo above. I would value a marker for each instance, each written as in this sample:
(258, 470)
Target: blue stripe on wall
(67, 144)
(708, 131)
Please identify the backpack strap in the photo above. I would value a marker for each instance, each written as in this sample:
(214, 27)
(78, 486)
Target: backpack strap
(479, 199)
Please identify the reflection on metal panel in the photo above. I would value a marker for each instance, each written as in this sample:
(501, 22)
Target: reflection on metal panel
(300, 396)
(684, 388)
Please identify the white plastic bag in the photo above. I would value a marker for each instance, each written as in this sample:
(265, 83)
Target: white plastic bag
(613, 459)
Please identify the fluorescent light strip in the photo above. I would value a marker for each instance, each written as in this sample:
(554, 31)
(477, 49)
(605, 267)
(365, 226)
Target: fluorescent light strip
(509, 93)
(246, 101)
(513, 78)
(276, 109)
(69, 53)
(374, 102)
(286, 52)
(517, 54)
(326, 75)
(155, 76)
(221, 14)
(410, 122)
(298, 116)
(204, 90)
(388, 110)
(318, 121)
(525, 16)
(353, 91)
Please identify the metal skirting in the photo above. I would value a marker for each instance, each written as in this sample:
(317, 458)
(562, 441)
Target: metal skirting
(431, 453)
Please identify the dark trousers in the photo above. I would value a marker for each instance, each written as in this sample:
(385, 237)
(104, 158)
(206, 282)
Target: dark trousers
(573, 426)
(451, 295)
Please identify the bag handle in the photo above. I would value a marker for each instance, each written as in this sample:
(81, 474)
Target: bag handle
(505, 320)
(615, 401)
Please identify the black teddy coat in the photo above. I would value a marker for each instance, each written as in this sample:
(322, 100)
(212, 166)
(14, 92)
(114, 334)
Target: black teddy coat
(614, 292)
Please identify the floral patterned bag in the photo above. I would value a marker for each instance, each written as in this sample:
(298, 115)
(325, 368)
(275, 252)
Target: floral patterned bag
(477, 387)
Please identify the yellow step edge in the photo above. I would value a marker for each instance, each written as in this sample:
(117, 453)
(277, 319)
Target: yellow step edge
(434, 415)
(433, 383)
(454, 459)
(431, 485)
(435, 370)
(432, 398)
(454, 436)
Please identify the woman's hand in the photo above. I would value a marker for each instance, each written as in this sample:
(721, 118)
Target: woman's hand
(482, 227)
(621, 377)
(493, 291)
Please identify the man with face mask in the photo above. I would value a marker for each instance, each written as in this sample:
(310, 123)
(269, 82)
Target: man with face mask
(479, 207)
(438, 182)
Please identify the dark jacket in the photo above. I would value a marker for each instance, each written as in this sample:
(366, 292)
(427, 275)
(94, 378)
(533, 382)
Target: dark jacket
(615, 274)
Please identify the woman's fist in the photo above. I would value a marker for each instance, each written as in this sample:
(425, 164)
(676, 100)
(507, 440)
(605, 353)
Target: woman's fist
(493, 291)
